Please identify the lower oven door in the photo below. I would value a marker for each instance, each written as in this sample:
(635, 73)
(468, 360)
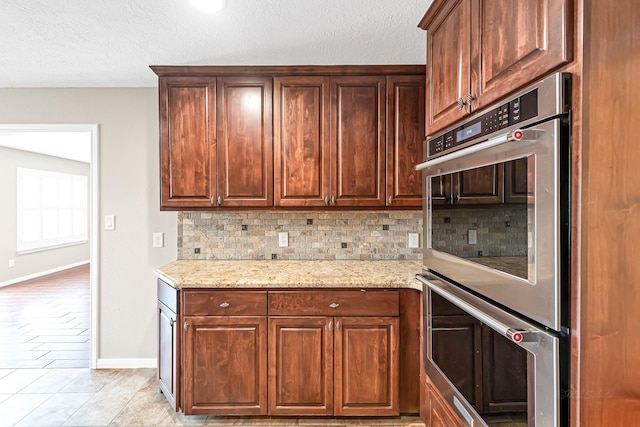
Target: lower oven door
(492, 367)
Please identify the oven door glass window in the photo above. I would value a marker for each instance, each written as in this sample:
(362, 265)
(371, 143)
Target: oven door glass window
(485, 215)
(488, 370)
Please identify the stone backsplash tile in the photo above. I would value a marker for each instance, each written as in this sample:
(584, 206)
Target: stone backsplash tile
(330, 235)
(494, 237)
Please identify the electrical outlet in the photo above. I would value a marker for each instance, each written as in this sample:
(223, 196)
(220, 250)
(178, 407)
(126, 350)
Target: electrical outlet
(413, 240)
(158, 240)
(283, 239)
(473, 237)
(12, 263)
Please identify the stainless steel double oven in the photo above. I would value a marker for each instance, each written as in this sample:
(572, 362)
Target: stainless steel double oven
(496, 260)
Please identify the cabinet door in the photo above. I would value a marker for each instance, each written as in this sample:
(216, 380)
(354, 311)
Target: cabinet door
(441, 190)
(517, 43)
(404, 141)
(300, 366)
(301, 141)
(448, 63)
(483, 185)
(438, 412)
(168, 354)
(457, 350)
(225, 365)
(358, 141)
(245, 142)
(187, 142)
(518, 180)
(366, 366)
(504, 367)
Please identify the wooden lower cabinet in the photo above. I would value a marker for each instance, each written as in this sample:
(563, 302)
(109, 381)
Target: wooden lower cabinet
(343, 366)
(293, 353)
(366, 356)
(301, 368)
(225, 365)
(434, 411)
(168, 344)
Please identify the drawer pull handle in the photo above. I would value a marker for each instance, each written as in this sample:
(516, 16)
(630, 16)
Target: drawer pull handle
(224, 305)
(334, 305)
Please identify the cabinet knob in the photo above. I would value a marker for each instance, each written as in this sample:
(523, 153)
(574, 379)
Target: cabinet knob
(326, 200)
(334, 305)
(461, 103)
(224, 304)
(219, 200)
(186, 326)
(171, 322)
(331, 325)
(333, 200)
(390, 199)
(338, 325)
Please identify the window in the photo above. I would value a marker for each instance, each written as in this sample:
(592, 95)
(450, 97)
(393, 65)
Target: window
(52, 209)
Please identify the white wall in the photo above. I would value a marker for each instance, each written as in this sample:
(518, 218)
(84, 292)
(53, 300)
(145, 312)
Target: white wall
(129, 189)
(36, 262)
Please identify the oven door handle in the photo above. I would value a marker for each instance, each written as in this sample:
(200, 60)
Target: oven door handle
(521, 135)
(515, 333)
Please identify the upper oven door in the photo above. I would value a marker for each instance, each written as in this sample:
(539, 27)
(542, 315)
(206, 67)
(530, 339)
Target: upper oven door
(509, 252)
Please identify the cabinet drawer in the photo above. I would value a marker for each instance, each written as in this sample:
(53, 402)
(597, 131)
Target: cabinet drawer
(334, 303)
(168, 295)
(225, 303)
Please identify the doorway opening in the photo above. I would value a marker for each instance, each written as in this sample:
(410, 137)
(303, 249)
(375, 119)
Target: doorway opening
(79, 143)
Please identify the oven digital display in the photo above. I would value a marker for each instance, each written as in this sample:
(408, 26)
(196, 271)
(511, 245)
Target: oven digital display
(469, 132)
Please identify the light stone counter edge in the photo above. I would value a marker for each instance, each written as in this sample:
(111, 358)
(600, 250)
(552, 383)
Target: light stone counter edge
(290, 274)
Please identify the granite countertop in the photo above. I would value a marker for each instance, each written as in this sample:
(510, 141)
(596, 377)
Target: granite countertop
(291, 274)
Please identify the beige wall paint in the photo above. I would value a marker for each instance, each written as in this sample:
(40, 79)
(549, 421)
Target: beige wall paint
(36, 262)
(128, 179)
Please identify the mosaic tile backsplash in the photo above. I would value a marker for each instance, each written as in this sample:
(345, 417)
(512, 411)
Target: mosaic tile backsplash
(321, 235)
(501, 231)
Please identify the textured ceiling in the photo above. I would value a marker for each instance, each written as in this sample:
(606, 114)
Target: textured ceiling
(80, 43)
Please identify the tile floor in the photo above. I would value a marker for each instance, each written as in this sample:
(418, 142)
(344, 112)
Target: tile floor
(45, 380)
(122, 397)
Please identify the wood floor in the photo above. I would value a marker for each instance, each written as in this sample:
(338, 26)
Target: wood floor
(44, 322)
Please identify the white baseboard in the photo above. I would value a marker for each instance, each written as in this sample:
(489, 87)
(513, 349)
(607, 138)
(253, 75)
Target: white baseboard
(42, 273)
(126, 363)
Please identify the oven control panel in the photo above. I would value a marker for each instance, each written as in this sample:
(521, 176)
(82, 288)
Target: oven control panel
(510, 113)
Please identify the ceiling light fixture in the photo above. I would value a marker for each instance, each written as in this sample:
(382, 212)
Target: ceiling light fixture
(209, 6)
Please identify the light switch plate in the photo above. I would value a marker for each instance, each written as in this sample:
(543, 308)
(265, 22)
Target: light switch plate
(158, 240)
(414, 240)
(109, 222)
(283, 239)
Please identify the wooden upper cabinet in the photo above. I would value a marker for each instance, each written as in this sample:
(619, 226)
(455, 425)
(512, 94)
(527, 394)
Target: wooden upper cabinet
(448, 63)
(245, 145)
(483, 185)
(358, 138)
(301, 141)
(479, 51)
(187, 142)
(405, 125)
(516, 43)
